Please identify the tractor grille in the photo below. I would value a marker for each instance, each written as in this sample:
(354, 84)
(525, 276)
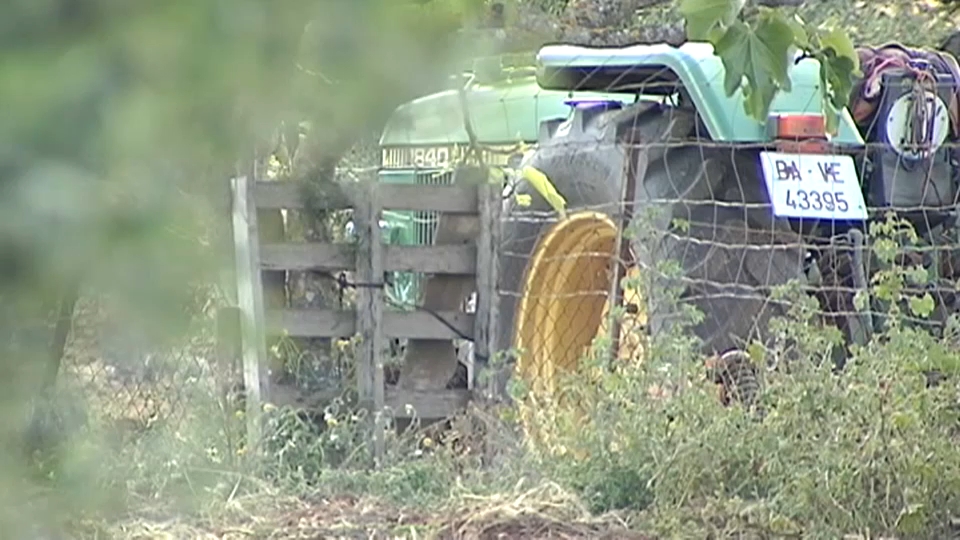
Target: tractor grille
(426, 222)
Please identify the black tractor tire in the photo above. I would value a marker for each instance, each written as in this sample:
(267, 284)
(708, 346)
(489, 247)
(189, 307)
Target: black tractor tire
(729, 252)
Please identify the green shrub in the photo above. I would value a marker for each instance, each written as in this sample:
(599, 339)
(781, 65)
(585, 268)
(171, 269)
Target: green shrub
(868, 450)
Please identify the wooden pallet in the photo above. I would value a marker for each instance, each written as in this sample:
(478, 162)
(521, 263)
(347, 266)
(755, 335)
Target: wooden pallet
(461, 262)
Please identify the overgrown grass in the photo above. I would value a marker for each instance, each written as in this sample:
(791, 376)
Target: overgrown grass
(869, 450)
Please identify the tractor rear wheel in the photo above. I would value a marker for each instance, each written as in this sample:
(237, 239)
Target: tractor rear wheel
(555, 277)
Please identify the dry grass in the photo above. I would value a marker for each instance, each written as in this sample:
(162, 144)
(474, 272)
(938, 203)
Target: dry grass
(543, 512)
(547, 511)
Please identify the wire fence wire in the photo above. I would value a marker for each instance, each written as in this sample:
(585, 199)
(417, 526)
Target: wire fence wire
(125, 382)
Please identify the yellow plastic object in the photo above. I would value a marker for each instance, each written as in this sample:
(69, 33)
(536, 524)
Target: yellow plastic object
(545, 187)
(632, 325)
(564, 304)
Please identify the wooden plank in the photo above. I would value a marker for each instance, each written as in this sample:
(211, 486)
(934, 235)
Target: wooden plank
(454, 199)
(370, 315)
(447, 259)
(488, 314)
(443, 259)
(331, 323)
(411, 325)
(250, 300)
(436, 325)
(433, 404)
(322, 323)
(284, 395)
(309, 256)
(290, 196)
(429, 364)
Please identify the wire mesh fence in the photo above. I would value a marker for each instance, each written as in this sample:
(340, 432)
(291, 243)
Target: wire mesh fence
(115, 379)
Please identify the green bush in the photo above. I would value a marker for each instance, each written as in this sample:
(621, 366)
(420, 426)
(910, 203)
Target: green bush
(869, 450)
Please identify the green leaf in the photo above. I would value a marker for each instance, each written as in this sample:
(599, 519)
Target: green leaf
(757, 60)
(800, 36)
(912, 519)
(704, 17)
(923, 306)
(839, 70)
(842, 78)
(838, 75)
(917, 274)
(782, 525)
(903, 420)
(842, 45)
(861, 300)
(885, 249)
(757, 354)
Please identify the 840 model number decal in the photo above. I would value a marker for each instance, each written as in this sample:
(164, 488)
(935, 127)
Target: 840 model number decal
(440, 157)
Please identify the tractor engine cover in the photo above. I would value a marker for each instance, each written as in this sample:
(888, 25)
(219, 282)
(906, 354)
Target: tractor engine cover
(912, 171)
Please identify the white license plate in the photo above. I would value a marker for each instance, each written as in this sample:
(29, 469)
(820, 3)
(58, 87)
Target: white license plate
(813, 186)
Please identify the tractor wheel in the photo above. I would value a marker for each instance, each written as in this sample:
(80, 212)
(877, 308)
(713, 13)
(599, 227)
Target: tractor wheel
(555, 277)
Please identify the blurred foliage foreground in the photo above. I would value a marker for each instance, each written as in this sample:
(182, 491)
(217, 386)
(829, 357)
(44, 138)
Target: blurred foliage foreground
(120, 123)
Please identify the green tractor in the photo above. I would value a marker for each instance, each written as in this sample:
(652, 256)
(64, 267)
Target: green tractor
(742, 206)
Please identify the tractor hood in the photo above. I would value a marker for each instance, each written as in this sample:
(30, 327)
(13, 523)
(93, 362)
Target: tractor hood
(502, 113)
(507, 111)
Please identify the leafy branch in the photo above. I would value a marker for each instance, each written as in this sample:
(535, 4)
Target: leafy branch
(758, 45)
